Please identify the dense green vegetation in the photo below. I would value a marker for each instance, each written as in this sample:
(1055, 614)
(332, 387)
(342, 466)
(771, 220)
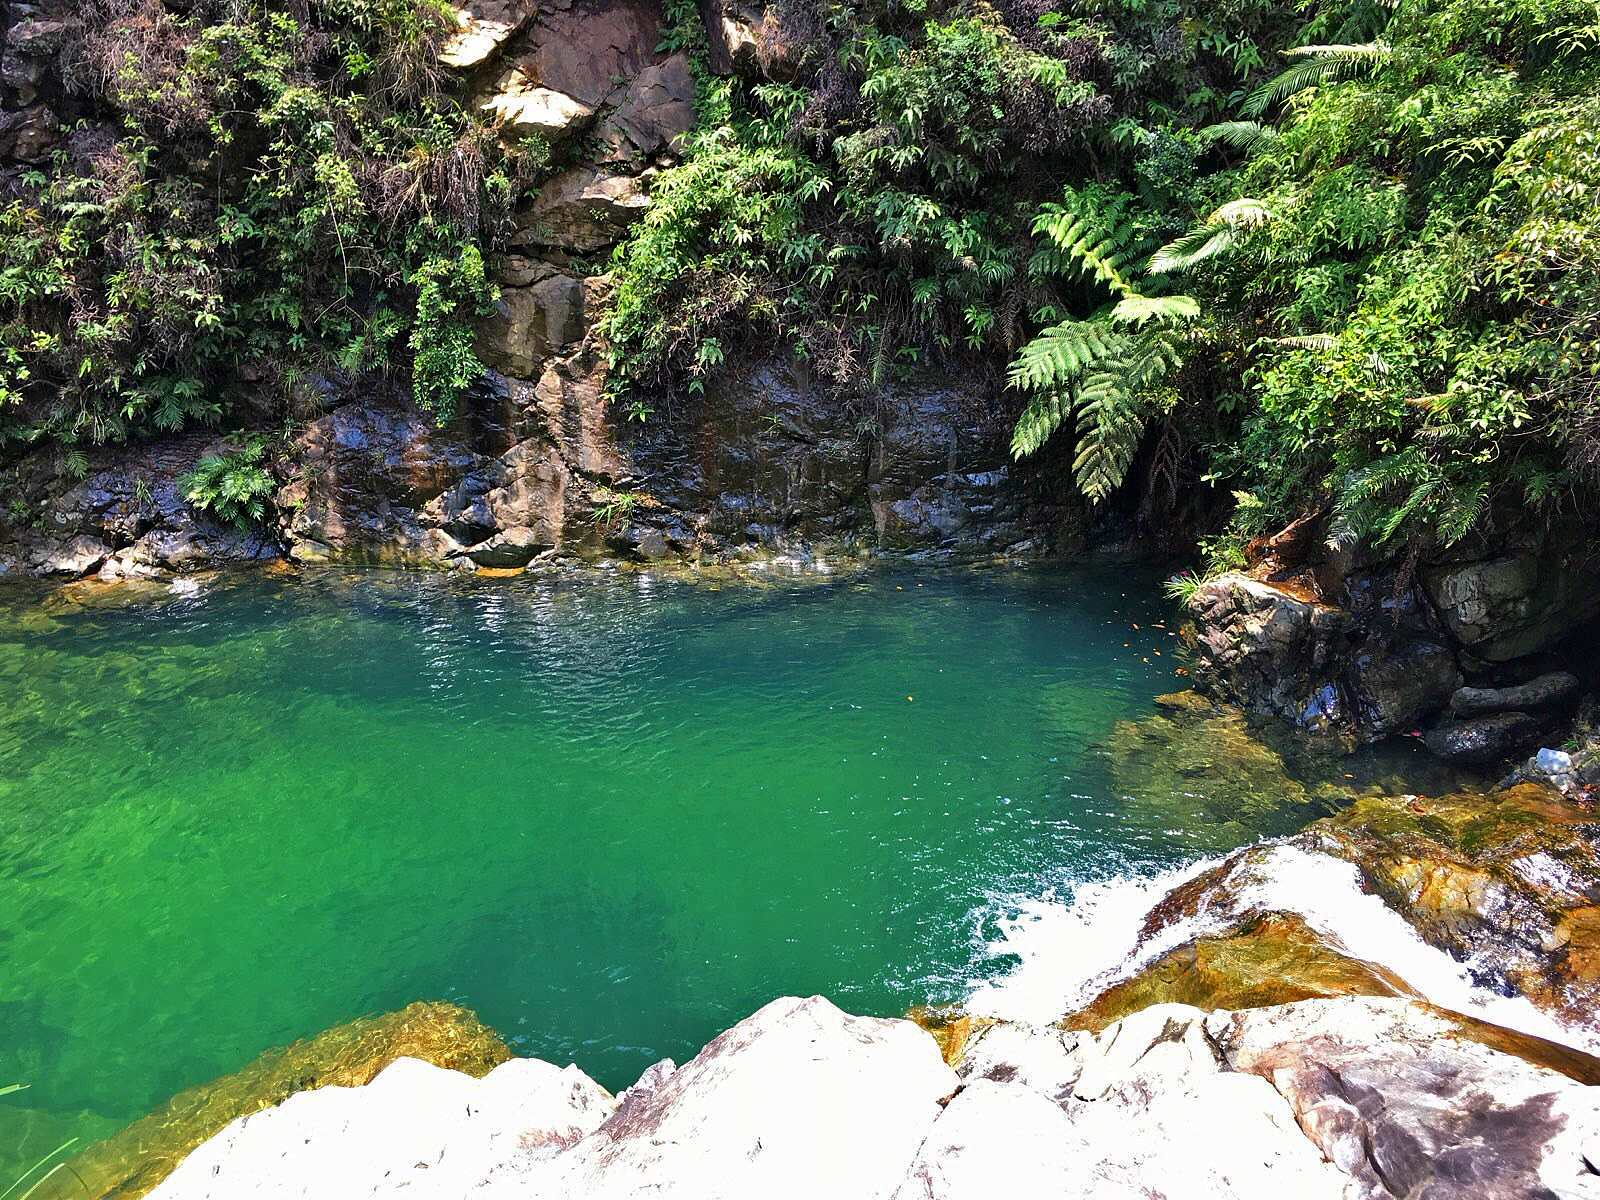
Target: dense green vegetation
(258, 194)
(1337, 258)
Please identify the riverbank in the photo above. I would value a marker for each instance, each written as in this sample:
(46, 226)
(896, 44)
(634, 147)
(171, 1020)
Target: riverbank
(801, 1099)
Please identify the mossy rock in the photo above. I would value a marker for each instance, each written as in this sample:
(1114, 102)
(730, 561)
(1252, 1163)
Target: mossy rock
(1271, 959)
(130, 1163)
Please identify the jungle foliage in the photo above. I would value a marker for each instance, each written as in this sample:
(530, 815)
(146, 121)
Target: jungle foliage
(258, 194)
(1339, 257)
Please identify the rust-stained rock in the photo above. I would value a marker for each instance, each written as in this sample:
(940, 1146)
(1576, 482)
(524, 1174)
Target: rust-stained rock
(1510, 880)
(128, 1164)
(1271, 959)
(952, 1029)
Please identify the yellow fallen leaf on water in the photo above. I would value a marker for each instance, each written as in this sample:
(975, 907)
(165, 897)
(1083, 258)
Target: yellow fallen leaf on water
(911, 699)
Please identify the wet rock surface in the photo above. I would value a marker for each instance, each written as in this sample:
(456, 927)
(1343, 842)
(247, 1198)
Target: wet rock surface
(1327, 668)
(1487, 739)
(1508, 883)
(1273, 958)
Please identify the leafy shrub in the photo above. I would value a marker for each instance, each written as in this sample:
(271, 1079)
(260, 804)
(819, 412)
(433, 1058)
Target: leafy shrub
(235, 488)
(281, 199)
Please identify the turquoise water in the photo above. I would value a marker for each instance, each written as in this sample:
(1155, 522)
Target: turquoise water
(610, 816)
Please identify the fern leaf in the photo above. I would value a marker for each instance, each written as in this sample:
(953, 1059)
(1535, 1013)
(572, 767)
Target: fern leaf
(1224, 229)
(1321, 64)
(1320, 342)
(1059, 354)
(1241, 135)
(1110, 424)
(1041, 418)
(1137, 310)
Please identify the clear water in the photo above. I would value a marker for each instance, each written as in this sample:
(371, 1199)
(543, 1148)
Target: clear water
(611, 817)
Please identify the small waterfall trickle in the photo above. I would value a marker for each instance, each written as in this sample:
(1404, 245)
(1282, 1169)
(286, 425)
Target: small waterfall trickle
(1069, 950)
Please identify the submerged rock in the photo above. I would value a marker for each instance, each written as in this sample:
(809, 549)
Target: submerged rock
(132, 1162)
(1223, 776)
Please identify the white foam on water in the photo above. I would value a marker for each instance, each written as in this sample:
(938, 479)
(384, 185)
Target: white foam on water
(1069, 951)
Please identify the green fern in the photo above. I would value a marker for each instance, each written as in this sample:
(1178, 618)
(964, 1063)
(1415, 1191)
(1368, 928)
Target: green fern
(1320, 65)
(1111, 421)
(1241, 135)
(1223, 230)
(1060, 353)
(1098, 246)
(1137, 310)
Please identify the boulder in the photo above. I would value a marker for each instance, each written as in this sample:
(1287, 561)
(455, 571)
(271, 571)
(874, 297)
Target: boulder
(1506, 881)
(655, 112)
(1548, 690)
(1369, 669)
(483, 28)
(1405, 1106)
(1517, 604)
(537, 111)
(1152, 1106)
(1348, 1098)
(584, 209)
(133, 1161)
(79, 556)
(992, 1132)
(531, 325)
(28, 134)
(1269, 649)
(799, 1099)
(1486, 739)
(586, 50)
(415, 1130)
(29, 45)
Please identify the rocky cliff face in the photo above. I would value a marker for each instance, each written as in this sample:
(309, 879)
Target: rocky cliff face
(538, 464)
(1486, 650)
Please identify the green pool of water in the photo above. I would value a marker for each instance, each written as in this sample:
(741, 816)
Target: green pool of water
(611, 817)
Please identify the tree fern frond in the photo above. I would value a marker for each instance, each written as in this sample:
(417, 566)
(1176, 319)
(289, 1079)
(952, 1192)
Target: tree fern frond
(1041, 418)
(1137, 310)
(1320, 342)
(1059, 354)
(1241, 135)
(1224, 229)
(1095, 247)
(1321, 64)
(1193, 248)
(1110, 423)
(1460, 512)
